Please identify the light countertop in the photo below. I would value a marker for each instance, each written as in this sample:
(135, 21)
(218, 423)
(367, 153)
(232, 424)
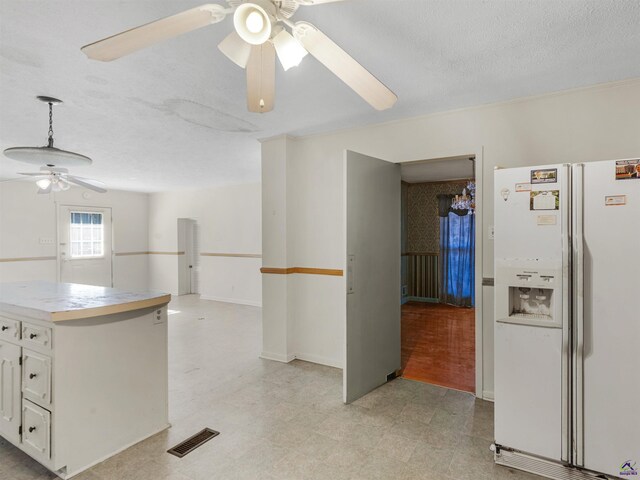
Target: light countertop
(69, 301)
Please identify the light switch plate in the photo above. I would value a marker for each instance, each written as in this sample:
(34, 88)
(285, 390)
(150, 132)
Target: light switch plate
(47, 241)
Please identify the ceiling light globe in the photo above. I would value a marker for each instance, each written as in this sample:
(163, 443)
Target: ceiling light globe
(43, 183)
(254, 22)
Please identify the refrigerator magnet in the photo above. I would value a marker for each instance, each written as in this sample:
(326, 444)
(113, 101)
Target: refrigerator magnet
(627, 169)
(545, 200)
(523, 187)
(545, 175)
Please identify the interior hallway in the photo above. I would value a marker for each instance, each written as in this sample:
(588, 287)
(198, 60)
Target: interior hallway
(287, 421)
(438, 345)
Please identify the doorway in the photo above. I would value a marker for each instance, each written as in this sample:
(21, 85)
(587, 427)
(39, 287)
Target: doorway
(85, 245)
(438, 272)
(189, 256)
(374, 287)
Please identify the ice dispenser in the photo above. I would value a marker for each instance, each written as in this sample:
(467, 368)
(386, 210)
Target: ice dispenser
(526, 293)
(532, 303)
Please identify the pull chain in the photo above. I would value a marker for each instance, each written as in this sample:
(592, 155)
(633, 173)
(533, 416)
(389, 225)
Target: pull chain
(50, 142)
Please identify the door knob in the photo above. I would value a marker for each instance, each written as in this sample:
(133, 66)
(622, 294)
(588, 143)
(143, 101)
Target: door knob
(32, 336)
(4, 327)
(32, 375)
(31, 429)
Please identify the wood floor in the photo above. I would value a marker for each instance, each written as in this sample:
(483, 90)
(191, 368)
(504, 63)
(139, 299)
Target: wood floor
(438, 345)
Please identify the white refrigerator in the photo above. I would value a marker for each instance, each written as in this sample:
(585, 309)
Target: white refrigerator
(567, 319)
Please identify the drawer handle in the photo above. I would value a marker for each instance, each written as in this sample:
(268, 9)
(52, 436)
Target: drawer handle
(32, 376)
(4, 327)
(32, 429)
(33, 335)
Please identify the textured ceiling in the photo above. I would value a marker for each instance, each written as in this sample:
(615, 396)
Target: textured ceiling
(174, 116)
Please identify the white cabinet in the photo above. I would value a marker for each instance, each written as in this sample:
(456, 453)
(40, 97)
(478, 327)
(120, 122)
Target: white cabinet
(10, 391)
(9, 329)
(36, 430)
(36, 335)
(71, 390)
(36, 377)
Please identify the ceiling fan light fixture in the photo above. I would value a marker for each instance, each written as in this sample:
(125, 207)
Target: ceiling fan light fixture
(236, 49)
(253, 21)
(290, 51)
(43, 183)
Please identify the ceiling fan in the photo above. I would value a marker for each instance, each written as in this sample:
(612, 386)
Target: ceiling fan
(57, 179)
(261, 32)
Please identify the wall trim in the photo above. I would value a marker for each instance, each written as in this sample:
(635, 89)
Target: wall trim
(27, 259)
(487, 395)
(277, 357)
(128, 254)
(237, 301)
(302, 270)
(165, 253)
(232, 255)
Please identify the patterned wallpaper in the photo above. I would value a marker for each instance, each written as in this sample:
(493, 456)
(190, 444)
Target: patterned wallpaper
(423, 224)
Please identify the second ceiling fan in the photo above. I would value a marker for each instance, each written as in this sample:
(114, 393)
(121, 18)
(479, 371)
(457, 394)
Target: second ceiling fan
(263, 30)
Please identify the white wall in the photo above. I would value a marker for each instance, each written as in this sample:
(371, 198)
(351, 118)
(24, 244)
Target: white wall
(26, 218)
(588, 124)
(229, 223)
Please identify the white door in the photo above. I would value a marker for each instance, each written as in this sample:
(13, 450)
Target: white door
(84, 235)
(10, 375)
(610, 333)
(373, 273)
(187, 260)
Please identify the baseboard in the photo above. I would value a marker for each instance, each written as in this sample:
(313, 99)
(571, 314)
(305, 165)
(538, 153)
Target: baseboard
(237, 301)
(422, 299)
(277, 357)
(329, 362)
(486, 395)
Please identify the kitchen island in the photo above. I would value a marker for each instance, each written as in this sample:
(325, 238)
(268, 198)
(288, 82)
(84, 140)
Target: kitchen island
(83, 371)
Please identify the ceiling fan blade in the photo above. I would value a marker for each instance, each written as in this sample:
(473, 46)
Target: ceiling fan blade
(34, 174)
(261, 78)
(143, 36)
(42, 191)
(344, 66)
(94, 185)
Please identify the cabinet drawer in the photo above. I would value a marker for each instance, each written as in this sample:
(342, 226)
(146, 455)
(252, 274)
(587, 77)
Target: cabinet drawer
(36, 430)
(9, 329)
(36, 335)
(36, 376)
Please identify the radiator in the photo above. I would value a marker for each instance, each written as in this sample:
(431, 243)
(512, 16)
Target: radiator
(423, 275)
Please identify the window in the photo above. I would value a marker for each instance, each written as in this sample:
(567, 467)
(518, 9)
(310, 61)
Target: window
(87, 235)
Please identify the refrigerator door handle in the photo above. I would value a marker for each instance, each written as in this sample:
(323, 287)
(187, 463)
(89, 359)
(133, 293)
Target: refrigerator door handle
(566, 314)
(578, 315)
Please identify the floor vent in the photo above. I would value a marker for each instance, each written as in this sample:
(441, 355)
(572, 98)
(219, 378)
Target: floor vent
(191, 443)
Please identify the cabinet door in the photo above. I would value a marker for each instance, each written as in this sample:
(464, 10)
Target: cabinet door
(10, 391)
(36, 434)
(36, 377)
